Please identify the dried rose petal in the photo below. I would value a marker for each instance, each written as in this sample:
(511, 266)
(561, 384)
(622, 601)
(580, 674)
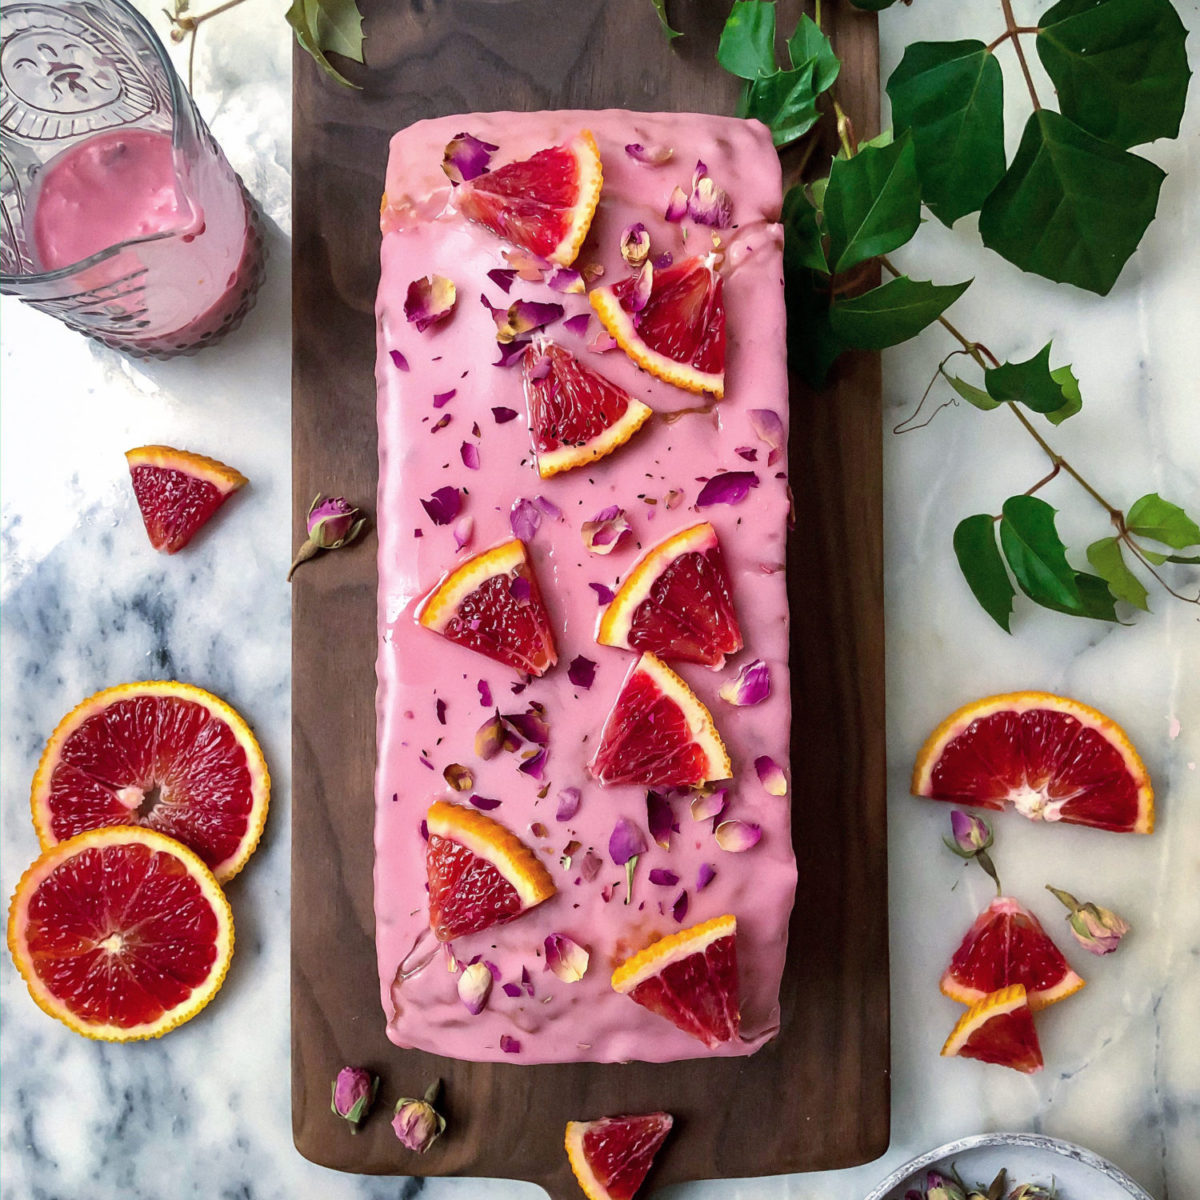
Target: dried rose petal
(680, 907)
(565, 279)
(635, 244)
(768, 425)
(639, 295)
(626, 841)
(459, 777)
(577, 324)
(677, 206)
(474, 987)
(511, 353)
(494, 736)
(649, 156)
(511, 989)
(525, 519)
(663, 260)
(531, 725)
(485, 693)
(604, 594)
(503, 278)
(430, 299)
(466, 157)
(736, 836)
(527, 265)
(509, 1044)
(440, 399)
(470, 455)
(525, 316)
(441, 711)
(605, 531)
(566, 958)
(752, 685)
(484, 803)
(569, 851)
(503, 415)
(463, 530)
(441, 423)
(708, 203)
(704, 808)
(673, 499)
(749, 453)
(705, 876)
(535, 765)
(398, 360)
(582, 672)
(663, 877)
(444, 505)
(548, 507)
(568, 803)
(660, 818)
(729, 487)
(770, 775)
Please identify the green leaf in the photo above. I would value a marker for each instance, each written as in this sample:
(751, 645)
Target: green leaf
(1161, 521)
(1119, 66)
(785, 102)
(328, 25)
(1036, 556)
(1070, 207)
(802, 247)
(812, 345)
(892, 313)
(872, 204)
(1107, 562)
(747, 45)
(982, 567)
(807, 44)
(1030, 383)
(970, 393)
(1065, 378)
(951, 95)
(660, 7)
(1098, 601)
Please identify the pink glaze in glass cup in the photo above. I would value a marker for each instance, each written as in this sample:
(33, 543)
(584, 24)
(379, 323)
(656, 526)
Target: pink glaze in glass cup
(118, 212)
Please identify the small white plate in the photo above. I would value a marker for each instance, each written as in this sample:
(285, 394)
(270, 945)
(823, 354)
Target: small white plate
(1029, 1158)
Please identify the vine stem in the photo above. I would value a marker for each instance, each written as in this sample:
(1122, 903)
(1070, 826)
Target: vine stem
(1013, 28)
(1010, 33)
(188, 25)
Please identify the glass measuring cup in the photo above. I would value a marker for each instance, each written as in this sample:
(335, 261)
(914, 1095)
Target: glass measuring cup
(118, 212)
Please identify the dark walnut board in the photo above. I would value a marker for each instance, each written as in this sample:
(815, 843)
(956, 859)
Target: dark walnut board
(817, 1096)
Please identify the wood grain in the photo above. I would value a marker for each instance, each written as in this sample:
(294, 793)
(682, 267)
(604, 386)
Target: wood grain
(823, 1083)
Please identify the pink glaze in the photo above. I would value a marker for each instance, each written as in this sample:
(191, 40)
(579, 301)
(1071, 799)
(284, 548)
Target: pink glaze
(106, 190)
(583, 1020)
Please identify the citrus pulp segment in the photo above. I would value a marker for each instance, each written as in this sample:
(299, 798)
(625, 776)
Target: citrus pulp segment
(576, 416)
(1052, 758)
(999, 1029)
(159, 754)
(679, 333)
(492, 604)
(676, 602)
(611, 1156)
(690, 978)
(480, 874)
(120, 933)
(544, 203)
(177, 492)
(1005, 945)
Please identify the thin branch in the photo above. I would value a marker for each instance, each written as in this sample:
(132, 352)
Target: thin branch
(1058, 460)
(1010, 33)
(1041, 483)
(1141, 557)
(1013, 27)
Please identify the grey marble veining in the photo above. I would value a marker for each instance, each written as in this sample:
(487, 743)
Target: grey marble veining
(84, 603)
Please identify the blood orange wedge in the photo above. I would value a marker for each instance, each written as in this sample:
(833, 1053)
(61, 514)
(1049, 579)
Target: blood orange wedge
(658, 733)
(676, 602)
(120, 933)
(480, 874)
(492, 604)
(611, 1156)
(690, 978)
(1054, 759)
(679, 333)
(163, 755)
(543, 204)
(1007, 945)
(999, 1029)
(178, 492)
(575, 415)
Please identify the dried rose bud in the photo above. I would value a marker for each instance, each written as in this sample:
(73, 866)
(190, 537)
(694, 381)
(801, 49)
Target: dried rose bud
(566, 958)
(938, 1187)
(1096, 929)
(353, 1093)
(970, 834)
(417, 1123)
(1029, 1191)
(635, 244)
(331, 524)
(459, 777)
(474, 987)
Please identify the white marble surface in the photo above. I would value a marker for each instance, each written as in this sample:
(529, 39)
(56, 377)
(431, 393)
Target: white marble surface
(86, 602)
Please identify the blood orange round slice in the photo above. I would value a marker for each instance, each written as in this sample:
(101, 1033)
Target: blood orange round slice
(163, 755)
(575, 415)
(612, 1155)
(480, 874)
(679, 333)
(120, 933)
(999, 1029)
(690, 978)
(492, 604)
(658, 733)
(178, 492)
(676, 602)
(1008, 945)
(1052, 758)
(545, 203)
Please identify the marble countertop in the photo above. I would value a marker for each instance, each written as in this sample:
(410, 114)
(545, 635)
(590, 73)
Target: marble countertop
(85, 603)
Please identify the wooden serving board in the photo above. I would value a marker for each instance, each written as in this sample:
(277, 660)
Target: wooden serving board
(817, 1096)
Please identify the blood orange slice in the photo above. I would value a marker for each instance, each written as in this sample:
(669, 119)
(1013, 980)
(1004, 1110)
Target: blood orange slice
(163, 755)
(492, 604)
(1053, 758)
(676, 602)
(1008, 945)
(999, 1029)
(658, 733)
(120, 933)
(611, 1156)
(575, 415)
(545, 203)
(178, 492)
(690, 978)
(679, 333)
(480, 874)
